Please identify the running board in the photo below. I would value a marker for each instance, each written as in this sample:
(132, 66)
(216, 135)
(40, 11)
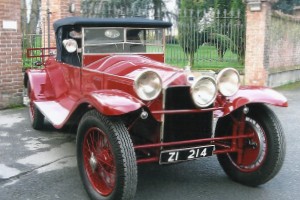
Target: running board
(55, 113)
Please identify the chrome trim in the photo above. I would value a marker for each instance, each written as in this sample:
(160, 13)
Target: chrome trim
(136, 87)
(162, 128)
(213, 81)
(221, 73)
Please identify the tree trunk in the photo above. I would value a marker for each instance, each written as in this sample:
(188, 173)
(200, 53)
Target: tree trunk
(23, 16)
(191, 61)
(34, 17)
(157, 9)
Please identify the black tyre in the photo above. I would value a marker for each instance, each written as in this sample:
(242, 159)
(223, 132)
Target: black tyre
(36, 117)
(106, 158)
(262, 156)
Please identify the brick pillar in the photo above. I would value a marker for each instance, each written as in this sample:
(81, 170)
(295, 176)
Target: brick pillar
(256, 60)
(11, 77)
(58, 9)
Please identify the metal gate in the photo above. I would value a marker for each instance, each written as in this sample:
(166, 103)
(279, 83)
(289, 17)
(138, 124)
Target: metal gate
(209, 39)
(35, 31)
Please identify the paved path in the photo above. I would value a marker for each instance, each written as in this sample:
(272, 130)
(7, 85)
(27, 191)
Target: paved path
(42, 165)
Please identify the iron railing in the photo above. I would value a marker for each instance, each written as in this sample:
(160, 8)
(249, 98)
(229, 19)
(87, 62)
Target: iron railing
(204, 39)
(207, 39)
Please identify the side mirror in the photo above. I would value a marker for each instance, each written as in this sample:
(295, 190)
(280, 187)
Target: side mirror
(70, 45)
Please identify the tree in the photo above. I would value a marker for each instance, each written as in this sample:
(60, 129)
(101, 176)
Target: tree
(23, 16)
(230, 35)
(238, 7)
(95, 8)
(157, 4)
(30, 22)
(222, 4)
(29, 25)
(188, 27)
(286, 6)
(34, 16)
(219, 23)
(117, 8)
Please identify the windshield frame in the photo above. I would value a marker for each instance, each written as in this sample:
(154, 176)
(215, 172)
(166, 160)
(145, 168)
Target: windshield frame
(159, 45)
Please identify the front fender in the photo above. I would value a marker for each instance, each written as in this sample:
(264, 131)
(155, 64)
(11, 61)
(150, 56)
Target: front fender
(247, 95)
(35, 78)
(114, 102)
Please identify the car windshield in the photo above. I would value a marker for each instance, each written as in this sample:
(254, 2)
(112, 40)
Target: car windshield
(122, 40)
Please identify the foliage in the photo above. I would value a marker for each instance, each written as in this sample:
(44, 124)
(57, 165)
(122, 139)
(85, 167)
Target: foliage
(232, 18)
(206, 56)
(30, 21)
(238, 7)
(119, 8)
(29, 26)
(34, 41)
(222, 4)
(286, 6)
(222, 43)
(188, 27)
(224, 27)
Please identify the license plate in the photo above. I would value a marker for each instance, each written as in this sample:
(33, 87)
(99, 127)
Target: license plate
(179, 155)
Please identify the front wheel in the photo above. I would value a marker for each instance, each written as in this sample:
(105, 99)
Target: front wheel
(106, 158)
(36, 117)
(261, 157)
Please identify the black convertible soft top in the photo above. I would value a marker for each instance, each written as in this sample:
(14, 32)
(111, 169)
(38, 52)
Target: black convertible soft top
(111, 22)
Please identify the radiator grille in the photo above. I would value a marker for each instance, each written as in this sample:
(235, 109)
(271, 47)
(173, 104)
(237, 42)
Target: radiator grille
(179, 127)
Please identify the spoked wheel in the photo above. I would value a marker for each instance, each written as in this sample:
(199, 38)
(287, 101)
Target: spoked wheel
(106, 158)
(260, 157)
(36, 117)
(99, 161)
(254, 149)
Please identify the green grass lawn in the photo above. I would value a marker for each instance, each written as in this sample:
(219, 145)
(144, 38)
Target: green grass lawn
(205, 58)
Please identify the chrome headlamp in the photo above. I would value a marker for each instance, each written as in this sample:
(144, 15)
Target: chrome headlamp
(228, 81)
(204, 91)
(148, 85)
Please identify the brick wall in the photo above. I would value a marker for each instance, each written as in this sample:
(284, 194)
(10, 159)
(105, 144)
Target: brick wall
(272, 47)
(283, 49)
(256, 41)
(58, 9)
(11, 77)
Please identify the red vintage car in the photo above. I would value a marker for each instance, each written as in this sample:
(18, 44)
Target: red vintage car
(109, 79)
